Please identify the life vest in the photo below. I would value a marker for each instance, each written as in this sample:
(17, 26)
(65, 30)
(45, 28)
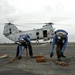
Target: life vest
(60, 39)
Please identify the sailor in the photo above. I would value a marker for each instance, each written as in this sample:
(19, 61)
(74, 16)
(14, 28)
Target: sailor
(60, 39)
(24, 40)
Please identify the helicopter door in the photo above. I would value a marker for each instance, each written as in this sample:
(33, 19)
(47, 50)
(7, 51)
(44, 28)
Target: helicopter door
(37, 34)
(45, 35)
(10, 30)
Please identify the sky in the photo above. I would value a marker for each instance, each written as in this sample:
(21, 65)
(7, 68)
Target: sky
(20, 12)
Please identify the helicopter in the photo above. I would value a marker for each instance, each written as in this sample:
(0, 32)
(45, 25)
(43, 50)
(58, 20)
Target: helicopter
(13, 33)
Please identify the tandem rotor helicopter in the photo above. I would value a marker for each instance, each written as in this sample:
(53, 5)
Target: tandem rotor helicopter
(45, 33)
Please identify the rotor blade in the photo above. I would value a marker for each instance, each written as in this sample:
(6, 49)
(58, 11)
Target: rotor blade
(28, 26)
(34, 24)
(31, 23)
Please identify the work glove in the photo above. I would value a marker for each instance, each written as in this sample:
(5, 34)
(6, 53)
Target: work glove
(51, 55)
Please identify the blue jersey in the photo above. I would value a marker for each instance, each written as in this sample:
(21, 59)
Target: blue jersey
(55, 39)
(25, 37)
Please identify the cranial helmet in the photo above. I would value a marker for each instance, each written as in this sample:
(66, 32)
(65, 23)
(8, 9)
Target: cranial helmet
(61, 33)
(21, 40)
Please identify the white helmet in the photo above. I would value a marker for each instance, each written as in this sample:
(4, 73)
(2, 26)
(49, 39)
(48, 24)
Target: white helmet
(61, 34)
(21, 40)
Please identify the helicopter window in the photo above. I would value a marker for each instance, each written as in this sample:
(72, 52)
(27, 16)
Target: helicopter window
(20, 30)
(10, 30)
(37, 33)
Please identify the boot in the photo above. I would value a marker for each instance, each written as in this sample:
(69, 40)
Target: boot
(63, 56)
(19, 57)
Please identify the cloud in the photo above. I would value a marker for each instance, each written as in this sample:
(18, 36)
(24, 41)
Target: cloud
(6, 10)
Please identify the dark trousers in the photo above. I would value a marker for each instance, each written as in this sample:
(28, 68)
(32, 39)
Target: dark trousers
(17, 53)
(58, 49)
(30, 50)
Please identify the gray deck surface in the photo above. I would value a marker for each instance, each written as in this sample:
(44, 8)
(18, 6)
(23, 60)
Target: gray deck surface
(29, 66)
